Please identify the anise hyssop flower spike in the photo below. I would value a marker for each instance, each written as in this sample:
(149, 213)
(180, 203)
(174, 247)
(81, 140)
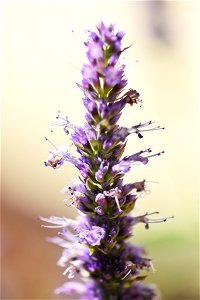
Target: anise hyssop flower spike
(95, 245)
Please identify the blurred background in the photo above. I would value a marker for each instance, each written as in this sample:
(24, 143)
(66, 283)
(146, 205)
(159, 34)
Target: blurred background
(42, 57)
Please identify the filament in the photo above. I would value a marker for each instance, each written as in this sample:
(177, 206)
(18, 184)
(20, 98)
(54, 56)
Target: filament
(48, 140)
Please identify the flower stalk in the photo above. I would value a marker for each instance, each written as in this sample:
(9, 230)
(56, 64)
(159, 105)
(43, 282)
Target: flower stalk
(95, 245)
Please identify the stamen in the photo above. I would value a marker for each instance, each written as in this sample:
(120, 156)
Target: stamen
(114, 193)
(66, 270)
(59, 117)
(141, 103)
(153, 213)
(150, 129)
(126, 274)
(58, 222)
(136, 128)
(64, 122)
(142, 151)
(117, 202)
(142, 125)
(72, 269)
(131, 268)
(160, 220)
(52, 226)
(50, 142)
(156, 154)
(151, 181)
(147, 221)
(130, 62)
(152, 266)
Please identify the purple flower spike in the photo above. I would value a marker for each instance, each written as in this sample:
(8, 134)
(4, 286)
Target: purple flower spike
(95, 245)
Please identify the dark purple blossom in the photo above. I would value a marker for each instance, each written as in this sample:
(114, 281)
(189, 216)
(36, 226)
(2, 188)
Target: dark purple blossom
(95, 245)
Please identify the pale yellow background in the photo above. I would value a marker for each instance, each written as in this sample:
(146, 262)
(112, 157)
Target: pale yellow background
(41, 63)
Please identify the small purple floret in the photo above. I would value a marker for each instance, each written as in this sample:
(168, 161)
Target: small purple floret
(91, 237)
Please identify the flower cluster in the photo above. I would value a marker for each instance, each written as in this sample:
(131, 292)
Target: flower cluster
(95, 245)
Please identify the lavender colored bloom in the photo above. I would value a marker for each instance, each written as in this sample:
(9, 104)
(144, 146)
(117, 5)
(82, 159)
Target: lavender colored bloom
(57, 157)
(101, 199)
(58, 222)
(70, 288)
(95, 245)
(100, 174)
(90, 74)
(91, 106)
(91, 237)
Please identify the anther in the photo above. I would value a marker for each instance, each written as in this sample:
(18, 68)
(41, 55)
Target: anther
(139, 135)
